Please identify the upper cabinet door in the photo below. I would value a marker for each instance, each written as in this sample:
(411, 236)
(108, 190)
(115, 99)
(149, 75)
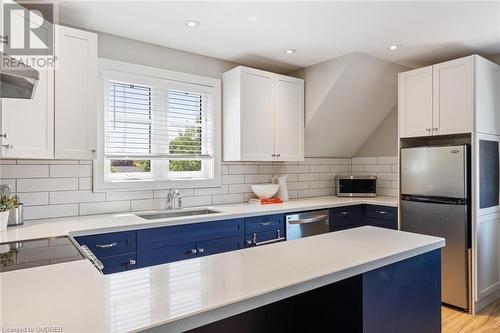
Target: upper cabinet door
(289, 119)
(453, 90)
(487, 96)
(257, 115)
(75, 94)
(415, 102)
(28, 124)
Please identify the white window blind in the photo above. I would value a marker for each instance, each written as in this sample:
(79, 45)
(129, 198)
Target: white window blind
(150, 122)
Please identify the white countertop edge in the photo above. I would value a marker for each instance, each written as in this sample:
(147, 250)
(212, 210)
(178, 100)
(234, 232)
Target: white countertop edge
(222, 311)
(94, 224)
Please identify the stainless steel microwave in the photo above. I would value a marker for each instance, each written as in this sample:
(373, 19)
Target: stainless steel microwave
(356, 186)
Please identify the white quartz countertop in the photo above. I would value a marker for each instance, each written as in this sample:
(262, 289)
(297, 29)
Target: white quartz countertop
(174, 297)
(126, 221)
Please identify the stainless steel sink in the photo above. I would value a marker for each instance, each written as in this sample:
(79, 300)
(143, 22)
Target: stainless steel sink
(176, 213)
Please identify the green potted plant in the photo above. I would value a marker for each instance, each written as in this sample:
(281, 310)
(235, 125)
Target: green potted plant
(6, 203)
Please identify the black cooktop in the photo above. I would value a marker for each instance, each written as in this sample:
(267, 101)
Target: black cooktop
(38, 252)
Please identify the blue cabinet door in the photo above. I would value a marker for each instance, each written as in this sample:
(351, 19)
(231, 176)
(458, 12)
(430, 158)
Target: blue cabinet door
(389, 224)
(206, 248)
(155, 238)
(346, 217)
(119, 263)
(166, 254)
(264, 223)
(382, 212)
(109, 244)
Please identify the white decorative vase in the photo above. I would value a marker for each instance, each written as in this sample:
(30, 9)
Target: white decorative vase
(283, 191)
(4, 218)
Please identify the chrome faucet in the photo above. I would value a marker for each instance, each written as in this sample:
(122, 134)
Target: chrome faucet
(172, 194)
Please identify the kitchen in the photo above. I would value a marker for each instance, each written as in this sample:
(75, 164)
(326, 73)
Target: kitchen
(189, 177)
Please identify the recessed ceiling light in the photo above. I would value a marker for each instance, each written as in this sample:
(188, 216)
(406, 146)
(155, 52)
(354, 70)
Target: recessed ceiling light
(192, 24)
(290, 51)
(394, 47)
(252, 18)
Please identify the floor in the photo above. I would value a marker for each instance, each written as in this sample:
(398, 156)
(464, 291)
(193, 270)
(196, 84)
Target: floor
(487, 321)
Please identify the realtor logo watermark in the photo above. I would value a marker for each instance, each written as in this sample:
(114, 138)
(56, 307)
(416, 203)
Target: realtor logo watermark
(28, 35)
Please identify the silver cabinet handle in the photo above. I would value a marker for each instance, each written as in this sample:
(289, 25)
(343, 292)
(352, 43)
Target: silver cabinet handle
(7, 146)
(344, 213)
(3, 135)
(272, 155)
(201, 250)
(193, 251)
(98, 264)
(278, 155)
(435, 129)
(265, 223)
(428, 130)
(131, 262)
(106, 246)
(382, 212)
(253, 241)
(310, 220)
(92, 150)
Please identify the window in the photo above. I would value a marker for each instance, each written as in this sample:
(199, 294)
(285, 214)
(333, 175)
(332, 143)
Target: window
(158, 128)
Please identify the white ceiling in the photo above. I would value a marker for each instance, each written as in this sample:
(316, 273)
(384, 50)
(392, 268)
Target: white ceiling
(428, 31)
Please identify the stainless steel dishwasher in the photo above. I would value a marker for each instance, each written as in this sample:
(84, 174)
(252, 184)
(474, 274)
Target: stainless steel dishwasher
(307, 224)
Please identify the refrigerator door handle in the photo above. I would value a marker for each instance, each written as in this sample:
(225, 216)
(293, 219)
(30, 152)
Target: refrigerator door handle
(435, 200)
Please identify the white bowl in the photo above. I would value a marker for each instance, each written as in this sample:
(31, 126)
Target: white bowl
(265, 191)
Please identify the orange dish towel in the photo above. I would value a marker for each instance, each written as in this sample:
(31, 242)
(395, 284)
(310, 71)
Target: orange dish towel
(271, 201)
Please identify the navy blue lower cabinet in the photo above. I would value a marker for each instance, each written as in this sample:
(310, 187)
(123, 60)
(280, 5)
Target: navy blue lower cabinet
(166, 254)
(206, 248)
(266, 237)
(119, 263)
(404, 297)
(109, 244)
(389, 224)
(342, 218)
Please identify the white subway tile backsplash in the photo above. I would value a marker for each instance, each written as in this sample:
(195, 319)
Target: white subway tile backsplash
(24, 171)
(242, 169)
(129, 195)
(227, 199)
(319, 168)
(59, 188)
(297, 168)
(63, 197)
(148, 204)
(364, 160)
(205, 200)
(109, 207)
(47, 184)
(34, 198)
(49, 211)
(70, 171)
(233, 179)
(85, 183)
(224, 189)
(256, 179)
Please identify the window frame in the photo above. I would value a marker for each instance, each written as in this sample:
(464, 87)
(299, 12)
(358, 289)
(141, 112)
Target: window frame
(127, 72)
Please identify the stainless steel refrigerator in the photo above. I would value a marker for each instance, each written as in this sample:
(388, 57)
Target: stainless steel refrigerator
(435, 201)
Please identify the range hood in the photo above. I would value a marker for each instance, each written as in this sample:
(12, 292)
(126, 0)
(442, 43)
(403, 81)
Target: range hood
(19, 82)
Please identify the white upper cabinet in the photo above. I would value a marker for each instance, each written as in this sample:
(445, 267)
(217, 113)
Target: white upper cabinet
(27, 125)
(487, 96)
(75, 94)
(289, 119)
(263, 116)
(453, 96)
(60, 120)
(415, 102)
(441, 99)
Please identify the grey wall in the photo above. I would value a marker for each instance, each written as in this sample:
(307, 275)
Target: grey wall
(140, 53)
(384, 140)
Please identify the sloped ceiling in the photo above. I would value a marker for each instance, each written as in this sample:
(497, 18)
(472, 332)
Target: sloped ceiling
(346, 99)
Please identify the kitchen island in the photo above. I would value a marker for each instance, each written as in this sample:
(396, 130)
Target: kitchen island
(366, 279)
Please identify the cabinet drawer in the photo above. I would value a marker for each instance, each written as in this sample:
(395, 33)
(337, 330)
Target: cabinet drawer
(165, 254)
(381, 223)
(155, 238)
(263, 237)
(207, 248)
(382, 212)
(264, 223)
(119, 263)
(109, 244)
(347, 213)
